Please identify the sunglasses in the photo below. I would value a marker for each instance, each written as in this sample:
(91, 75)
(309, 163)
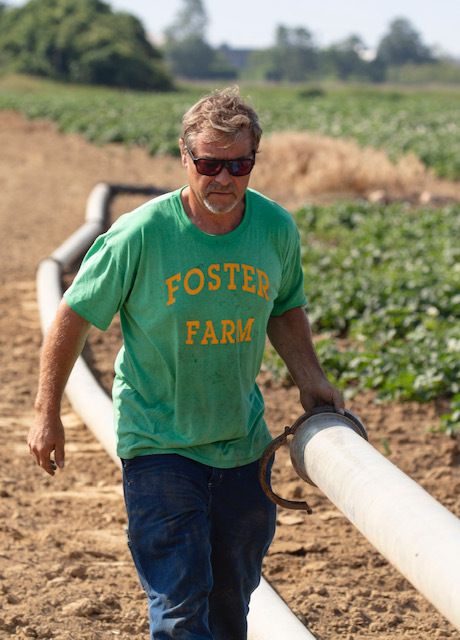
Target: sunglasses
(213, 166)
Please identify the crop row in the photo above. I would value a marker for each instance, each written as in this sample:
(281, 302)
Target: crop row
(425, 123)
(383, 285)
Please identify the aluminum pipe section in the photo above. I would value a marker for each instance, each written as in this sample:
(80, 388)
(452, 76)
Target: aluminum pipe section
(49, 291)
(271, 619)
(415, 533)
(93, 406)
(96, 222)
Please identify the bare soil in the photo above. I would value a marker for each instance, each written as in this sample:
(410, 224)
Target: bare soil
(65, 570)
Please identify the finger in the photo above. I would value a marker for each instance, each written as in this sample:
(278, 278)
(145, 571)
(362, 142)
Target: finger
(338, 402)
(35, 455)
(60, 455)
(44, 461)
(48, 465)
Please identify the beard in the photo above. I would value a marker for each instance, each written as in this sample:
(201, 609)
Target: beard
(219, 208)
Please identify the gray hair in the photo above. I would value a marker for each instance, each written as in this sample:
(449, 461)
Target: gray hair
(221, 117)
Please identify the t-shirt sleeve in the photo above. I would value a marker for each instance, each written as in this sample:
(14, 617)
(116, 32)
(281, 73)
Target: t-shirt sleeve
(291, 292)
(104, 279)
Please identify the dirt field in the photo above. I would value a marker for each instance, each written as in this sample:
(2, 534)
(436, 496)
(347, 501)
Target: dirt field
(65, 570)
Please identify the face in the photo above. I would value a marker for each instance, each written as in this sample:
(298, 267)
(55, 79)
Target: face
(222, 193)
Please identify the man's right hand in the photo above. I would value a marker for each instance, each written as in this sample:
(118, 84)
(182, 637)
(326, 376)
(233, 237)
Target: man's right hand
(46, 436)
(62, 345)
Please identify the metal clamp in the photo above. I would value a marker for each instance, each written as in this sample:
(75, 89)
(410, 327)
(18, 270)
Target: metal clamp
(282, 439)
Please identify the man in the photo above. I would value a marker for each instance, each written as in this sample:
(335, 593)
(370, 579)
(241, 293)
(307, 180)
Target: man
(199, 276)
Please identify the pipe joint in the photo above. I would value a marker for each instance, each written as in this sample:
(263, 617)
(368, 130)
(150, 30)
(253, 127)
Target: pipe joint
(310, 425)
(303, 429)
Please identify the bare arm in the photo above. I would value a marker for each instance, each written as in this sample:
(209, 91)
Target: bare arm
(290, 335)
(61, 347)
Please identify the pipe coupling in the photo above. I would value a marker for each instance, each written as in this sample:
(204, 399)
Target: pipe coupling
(308, 424)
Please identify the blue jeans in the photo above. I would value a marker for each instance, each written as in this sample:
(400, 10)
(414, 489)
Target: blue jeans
(198, 536)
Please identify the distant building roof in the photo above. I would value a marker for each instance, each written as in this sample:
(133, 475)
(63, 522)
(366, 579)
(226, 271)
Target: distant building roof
(238, 58)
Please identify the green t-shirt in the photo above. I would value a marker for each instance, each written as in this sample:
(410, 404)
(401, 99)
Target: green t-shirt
(194, 309)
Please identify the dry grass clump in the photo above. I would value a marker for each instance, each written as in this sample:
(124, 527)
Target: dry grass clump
(295, 166)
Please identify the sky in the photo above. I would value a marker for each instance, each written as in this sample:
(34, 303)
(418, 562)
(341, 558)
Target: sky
(252, 23)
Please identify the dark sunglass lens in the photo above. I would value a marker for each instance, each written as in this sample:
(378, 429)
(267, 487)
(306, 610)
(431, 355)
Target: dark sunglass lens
(208, 167)
(240, 167)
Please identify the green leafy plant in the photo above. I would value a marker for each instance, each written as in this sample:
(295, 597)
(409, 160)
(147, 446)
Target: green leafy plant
(450, 422)
(384, 298)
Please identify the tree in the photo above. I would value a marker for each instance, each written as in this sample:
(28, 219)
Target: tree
(191, 22)
(186, 50)
(344, 60)
(401, 45)
(81, 41)
(294, 57)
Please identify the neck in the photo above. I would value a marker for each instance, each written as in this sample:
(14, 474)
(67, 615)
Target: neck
(205, 220)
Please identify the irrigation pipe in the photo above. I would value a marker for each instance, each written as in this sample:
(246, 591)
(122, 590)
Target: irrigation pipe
(86, 396)
(269, 617)
(413, 531)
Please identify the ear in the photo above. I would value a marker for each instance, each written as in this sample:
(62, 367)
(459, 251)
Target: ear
(184, 156)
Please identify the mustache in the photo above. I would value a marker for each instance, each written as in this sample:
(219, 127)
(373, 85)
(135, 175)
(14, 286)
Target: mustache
(215, 186)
